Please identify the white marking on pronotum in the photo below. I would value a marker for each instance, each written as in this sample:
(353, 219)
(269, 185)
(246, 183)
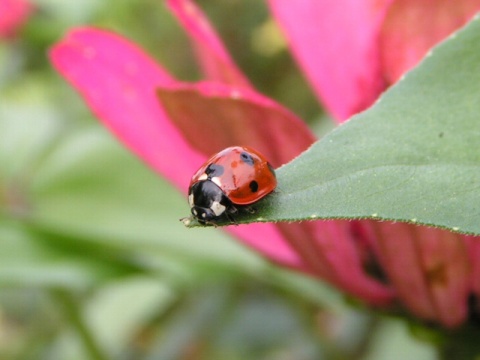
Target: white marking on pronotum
(216, 180)
(217, 208)
(204, 176)
(455, 228)
(190, 200)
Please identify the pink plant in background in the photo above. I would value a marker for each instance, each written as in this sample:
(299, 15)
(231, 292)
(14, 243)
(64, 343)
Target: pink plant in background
(350, 52)
(13, 14)
(344, 49)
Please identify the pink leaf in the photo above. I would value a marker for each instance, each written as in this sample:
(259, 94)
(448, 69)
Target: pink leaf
(336, 45)
(215, 60)
(13, 14)
(330, 251)
(412, 27)
(212, 116)
(428, 267)
(119, 83)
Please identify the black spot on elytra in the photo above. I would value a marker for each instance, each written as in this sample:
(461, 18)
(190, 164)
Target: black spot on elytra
(253, 186)
(246, 158)
(214, 170)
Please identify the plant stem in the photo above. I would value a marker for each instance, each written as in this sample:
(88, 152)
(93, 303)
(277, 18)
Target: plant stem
(71, 309)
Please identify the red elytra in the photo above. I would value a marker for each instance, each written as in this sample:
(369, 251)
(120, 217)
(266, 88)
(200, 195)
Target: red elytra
(242, 173)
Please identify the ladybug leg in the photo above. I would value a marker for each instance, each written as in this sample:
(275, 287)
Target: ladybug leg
(230, 212)
(250, 209)
(231, 219)
(210, 223)
(186, 220)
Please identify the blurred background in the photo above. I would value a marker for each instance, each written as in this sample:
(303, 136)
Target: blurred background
(94, 263)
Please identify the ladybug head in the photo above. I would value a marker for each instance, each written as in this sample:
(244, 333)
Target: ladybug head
(207, 201)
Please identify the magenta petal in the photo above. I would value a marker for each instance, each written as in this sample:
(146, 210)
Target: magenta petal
(447, 266)
(430, 269)
(214, 59)
(330, 250)
(399, 259)
(474, 246)
(119, 82)
(412, 27)
(213, 116)
(336, 45)
(13, 13)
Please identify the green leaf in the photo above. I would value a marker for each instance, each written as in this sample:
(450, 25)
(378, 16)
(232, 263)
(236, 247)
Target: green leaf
(414, 156)
(27, 259)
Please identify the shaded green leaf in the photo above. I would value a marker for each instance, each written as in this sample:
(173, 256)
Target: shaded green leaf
(414, 156)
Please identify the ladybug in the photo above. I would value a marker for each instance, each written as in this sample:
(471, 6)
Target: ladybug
(229, 181)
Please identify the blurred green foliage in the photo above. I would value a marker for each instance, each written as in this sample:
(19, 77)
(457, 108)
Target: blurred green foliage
(94, 263)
